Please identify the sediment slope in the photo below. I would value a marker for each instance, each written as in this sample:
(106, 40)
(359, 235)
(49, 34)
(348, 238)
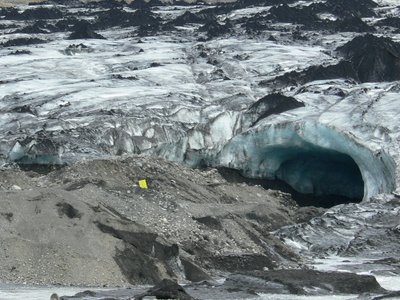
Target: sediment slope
(90, 224)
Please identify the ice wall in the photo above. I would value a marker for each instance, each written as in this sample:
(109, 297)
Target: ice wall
(272, 151)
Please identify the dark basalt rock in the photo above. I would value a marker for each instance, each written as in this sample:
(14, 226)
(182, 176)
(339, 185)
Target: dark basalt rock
(373, 58)
(247, 3)
(139, 4)
(166, 289)
(142, 4)
(113, 17)
(6, 26)
(368, 59)
(298, 36)
(189, 17)
(23, 42)
(346, 8)
(213, 12)
(344, 69)
(392, 22)
(307, 16)
(83, 30)
(254, 26)
(70, 3)
(387, 295)
(215, 29)
(40, 13)
(151, 29)
(241, 263)
(287, 14)
(31, 29)
(108, 4)
(303, 282)
(143, 17)
(119, 17)
(20, 52)
(146, 254)
(272, 104)
(350, 24)
(66, 24)
(24, 109)
(38, 27)
(10, 13)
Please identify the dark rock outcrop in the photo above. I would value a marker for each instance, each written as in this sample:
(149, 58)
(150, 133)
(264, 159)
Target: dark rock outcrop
(241, 263)
(146, 255)
(303, 282)
(119, 17)
(166, 289)
(253, 25)
(308, 17)
(75, 49)
(248, 3)
(108, 4)
(349, 24)
(38, 27)
(142, 4)
(83, 30)
(66, 24)
(40, 13)
(152, 29)
(214, 28)
(373, 58)
(20, 52)
(368, 58)
(272, 104)
(391, 21)
(139, 4)
(189, 17)
(287, 14)
(22, 42)
(346, 8)
(70, 3)
(344, 69)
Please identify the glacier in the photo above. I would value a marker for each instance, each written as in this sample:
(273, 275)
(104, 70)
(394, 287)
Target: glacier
(303, 96)
(187, 98)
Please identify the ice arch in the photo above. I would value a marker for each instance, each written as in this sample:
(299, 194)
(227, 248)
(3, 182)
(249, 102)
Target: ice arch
(312, 158)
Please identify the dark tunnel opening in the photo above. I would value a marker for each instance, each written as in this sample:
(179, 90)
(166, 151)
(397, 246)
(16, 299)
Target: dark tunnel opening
(314, 176)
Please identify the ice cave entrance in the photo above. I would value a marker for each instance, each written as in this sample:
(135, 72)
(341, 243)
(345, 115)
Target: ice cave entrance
(316, 176)
(313, 175)
(317, 164)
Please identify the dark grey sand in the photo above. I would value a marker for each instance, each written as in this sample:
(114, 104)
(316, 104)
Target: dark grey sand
(67, 227)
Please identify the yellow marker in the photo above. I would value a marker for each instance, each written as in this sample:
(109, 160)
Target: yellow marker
(143, 184)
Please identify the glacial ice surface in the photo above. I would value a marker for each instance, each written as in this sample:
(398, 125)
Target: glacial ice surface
(187, 99)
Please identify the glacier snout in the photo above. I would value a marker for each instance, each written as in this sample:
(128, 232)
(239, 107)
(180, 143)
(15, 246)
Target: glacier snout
(312, 158)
